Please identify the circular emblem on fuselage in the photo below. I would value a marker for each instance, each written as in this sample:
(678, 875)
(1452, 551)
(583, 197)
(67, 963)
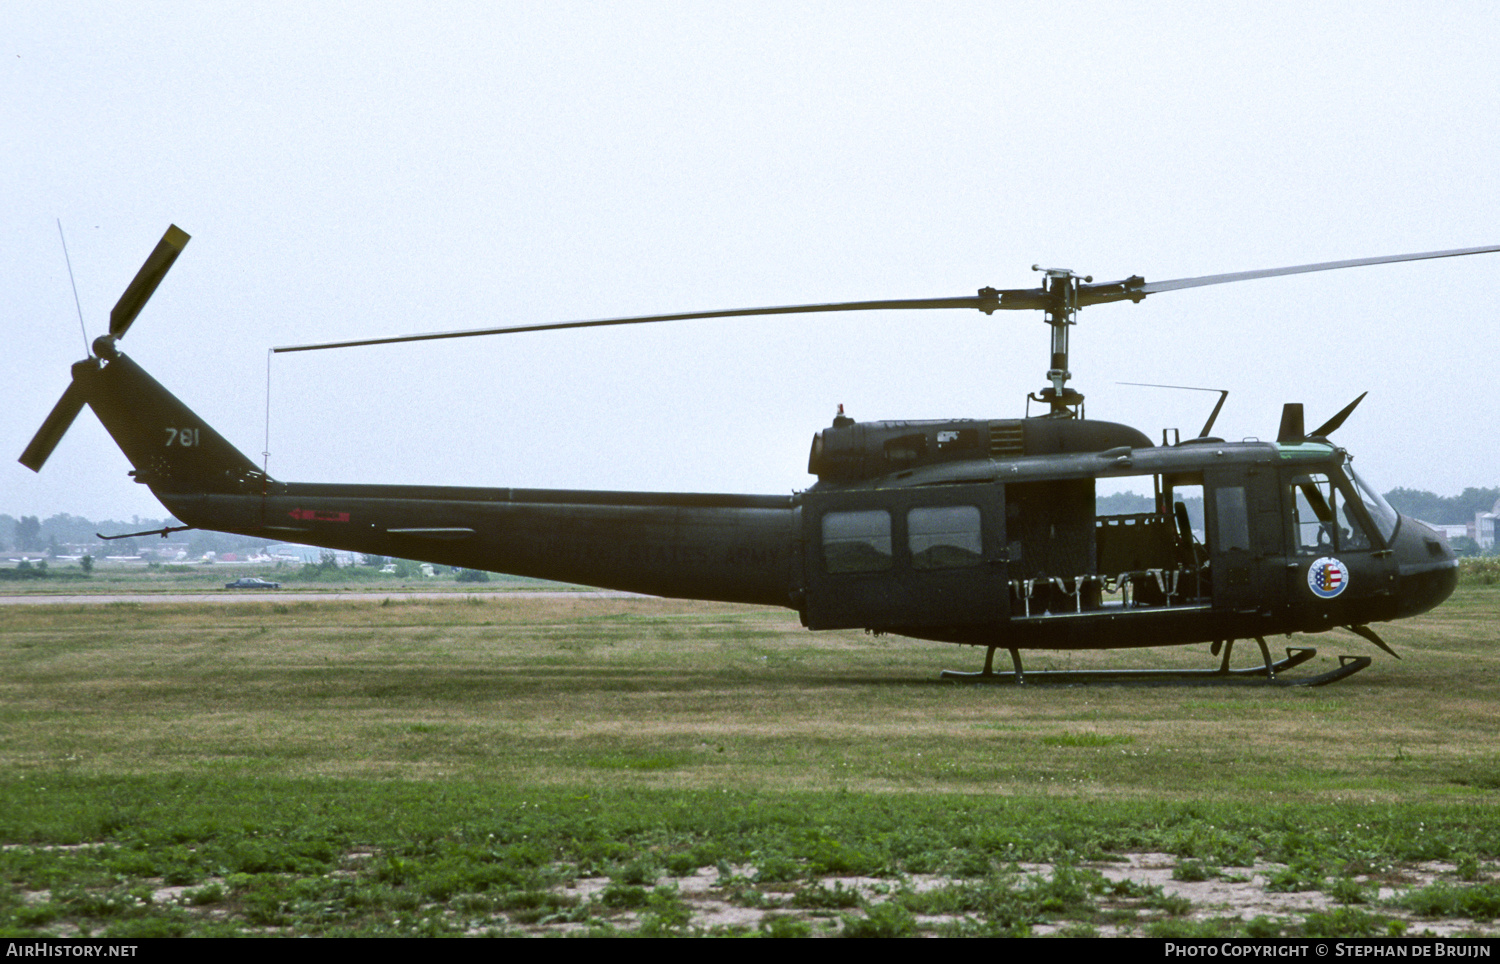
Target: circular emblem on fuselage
(1327, 577)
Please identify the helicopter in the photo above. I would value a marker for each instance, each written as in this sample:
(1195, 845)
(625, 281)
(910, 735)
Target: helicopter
(977, 532)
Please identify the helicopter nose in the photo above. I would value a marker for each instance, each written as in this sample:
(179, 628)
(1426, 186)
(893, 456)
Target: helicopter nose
(1428, 568)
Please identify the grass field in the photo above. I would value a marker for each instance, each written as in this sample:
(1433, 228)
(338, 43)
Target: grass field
(485, 764)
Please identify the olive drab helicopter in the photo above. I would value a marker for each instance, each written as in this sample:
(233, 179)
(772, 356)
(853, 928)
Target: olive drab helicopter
(969, 531)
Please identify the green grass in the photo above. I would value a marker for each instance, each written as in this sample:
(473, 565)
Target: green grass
(387, 857)
(456, 766)
(688, 695)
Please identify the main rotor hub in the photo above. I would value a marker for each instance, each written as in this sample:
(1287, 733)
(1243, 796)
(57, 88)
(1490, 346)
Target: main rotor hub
(1062, 273)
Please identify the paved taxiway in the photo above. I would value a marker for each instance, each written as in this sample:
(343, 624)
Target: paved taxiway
(229, 596)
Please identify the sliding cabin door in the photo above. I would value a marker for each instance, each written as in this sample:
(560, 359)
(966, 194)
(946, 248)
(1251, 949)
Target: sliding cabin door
(1242, 518)
(905, 557)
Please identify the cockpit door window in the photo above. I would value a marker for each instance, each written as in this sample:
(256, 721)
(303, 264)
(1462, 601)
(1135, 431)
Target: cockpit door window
(1324, 520)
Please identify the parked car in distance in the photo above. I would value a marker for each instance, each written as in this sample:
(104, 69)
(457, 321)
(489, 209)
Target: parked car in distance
(252, 582)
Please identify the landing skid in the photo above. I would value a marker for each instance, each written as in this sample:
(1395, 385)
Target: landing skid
(1267, 675)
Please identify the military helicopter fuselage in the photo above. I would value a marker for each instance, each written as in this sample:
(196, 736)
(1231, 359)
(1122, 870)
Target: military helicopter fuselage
(990, 533)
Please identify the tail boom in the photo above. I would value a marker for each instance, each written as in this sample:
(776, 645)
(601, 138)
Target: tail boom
(731, 548)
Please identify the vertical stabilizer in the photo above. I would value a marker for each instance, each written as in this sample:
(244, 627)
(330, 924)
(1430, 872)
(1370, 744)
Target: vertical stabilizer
(171, 447)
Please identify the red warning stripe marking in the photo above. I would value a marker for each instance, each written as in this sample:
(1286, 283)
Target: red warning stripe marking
(319, 515)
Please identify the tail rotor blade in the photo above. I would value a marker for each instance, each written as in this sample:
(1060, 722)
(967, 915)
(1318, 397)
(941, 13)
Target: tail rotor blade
(1330, 426)
(60, 419)
(146, 280)
(53, 429)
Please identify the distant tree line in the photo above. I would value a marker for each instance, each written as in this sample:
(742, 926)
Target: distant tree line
(1443, 510)
(31, 534)
(24, 571)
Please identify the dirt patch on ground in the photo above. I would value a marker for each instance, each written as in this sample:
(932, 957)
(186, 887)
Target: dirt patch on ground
(1149, 892)
(1140, 894)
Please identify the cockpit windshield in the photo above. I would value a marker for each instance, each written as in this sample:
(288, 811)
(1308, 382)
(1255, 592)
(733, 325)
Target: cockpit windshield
(1384, 517)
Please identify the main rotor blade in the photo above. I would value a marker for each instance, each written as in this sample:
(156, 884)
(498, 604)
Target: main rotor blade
(980, 302)
(1331, 426)
(1218, 279)
(988, 300)
(146, 280)
(53, 428)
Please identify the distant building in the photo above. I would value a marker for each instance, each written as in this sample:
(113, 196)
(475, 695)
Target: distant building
(296, 554)
(1450, 531)
(1483, 530)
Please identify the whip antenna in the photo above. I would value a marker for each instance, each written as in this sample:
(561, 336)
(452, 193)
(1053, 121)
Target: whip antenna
(76, 304)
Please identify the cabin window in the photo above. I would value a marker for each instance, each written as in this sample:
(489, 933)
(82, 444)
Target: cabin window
(1234, 523)
(857, 541)
(944, 537)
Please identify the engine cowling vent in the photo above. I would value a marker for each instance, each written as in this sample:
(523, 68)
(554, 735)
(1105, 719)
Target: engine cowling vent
(852, 451)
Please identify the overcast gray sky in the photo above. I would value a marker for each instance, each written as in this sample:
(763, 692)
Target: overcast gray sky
(361, 169)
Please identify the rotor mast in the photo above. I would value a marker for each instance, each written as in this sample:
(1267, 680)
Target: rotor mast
(1061, 287)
